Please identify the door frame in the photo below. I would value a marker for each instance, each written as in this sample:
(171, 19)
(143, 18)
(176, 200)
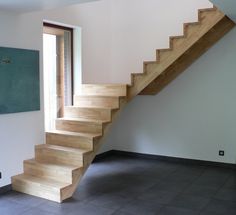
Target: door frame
(54, 29)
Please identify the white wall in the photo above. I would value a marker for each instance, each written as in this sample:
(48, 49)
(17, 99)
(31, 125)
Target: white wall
(118, 35)
(193, 117)
(139, 27)
(20, 131)
(228, 7)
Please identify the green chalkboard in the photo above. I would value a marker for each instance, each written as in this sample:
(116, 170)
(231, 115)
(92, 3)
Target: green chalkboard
(19, 80)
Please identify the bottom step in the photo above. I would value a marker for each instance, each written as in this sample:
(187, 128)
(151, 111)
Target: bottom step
(44, 188)
(60, 173)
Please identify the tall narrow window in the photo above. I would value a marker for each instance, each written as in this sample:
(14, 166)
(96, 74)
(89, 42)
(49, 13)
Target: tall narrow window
(58, 74)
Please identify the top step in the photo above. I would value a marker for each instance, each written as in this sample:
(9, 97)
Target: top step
(104, 89)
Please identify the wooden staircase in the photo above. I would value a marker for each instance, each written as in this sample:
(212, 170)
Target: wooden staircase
(59, 164)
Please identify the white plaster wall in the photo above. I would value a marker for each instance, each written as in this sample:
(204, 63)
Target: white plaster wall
(139, 27)
(20, 131)
(193, 117)
(118, 35)
(228, 7)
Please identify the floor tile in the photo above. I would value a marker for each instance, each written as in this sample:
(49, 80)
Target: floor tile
(161, 197)
(226, 194)
(191, 202)
(230, 182)
(119, 212)
(37, 211)
(11, 208)
(123, 185)
(109, 201)
(198, 190)
(88, 209)
(220, 207)
(177, 211)
(24, 199)
(142, 207)
(171, 186)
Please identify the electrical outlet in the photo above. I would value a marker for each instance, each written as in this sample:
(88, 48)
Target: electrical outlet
(221, 153)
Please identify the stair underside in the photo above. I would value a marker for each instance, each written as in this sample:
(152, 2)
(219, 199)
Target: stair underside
(182, 52)
(59, 165)
(189, 56)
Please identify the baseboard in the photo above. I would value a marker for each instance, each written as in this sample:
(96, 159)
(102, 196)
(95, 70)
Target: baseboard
(164, 158)
(5, 189)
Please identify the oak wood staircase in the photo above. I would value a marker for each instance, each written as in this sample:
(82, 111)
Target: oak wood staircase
(59, 164)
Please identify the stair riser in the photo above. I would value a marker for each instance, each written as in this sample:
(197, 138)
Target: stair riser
(36, 190)
(136, 78)
(48, 173)
(76, 126)
(69, 141)
(163, 54)
(58, 156)
(178, 41)
(108, 90)
(102, 102)
(88, 113)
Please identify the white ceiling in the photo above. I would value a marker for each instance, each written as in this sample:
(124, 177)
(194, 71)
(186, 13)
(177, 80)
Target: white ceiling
(227, 6)
(23, 6)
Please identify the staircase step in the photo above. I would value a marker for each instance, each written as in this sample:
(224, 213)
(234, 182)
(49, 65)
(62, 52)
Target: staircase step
(62, 173)
(79, 125)
(72, 139)
(40, 187)
(111, 102)
(104, 89)
(162, 54)
(175, 41)
(60, 155)
(88, 113)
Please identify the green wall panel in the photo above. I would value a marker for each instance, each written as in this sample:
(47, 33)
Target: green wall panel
(19, 80)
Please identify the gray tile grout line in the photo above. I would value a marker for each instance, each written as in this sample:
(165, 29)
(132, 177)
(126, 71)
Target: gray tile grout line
(214, 194)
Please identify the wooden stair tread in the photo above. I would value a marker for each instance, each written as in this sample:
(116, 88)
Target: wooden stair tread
(63, 148)
(80, 119)
(53, 184)
(95, 96)
(96, 107)
(70, 133)
(88, 113)
(97, 101)
(52, 165)
(104, 89)
(91, 108)
(105, 85)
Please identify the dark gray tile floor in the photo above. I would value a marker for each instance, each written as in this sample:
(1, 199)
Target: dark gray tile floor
(122, 185)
